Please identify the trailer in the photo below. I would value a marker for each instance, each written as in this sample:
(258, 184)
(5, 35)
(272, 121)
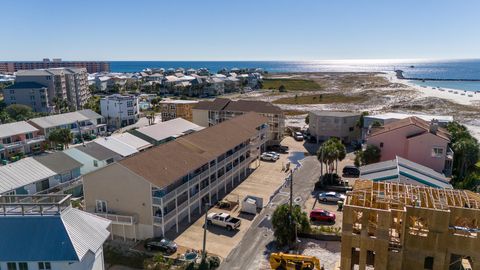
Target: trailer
(250, 204)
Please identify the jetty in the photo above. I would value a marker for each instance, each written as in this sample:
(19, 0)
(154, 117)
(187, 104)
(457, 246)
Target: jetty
(400, 76)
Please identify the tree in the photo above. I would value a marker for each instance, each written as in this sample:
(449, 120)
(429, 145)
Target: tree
(361, 120)
(61, 136)
(282, 88)
(330, 152)
(19, 112)
(466, 151)
(93, 104)
(307, 119)
(284, 230)
(370, 155)
(376, 124)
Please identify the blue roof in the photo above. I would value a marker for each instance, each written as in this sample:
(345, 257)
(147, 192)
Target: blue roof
(35, 238)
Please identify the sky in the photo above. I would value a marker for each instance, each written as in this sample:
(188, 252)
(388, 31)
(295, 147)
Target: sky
(239, 30)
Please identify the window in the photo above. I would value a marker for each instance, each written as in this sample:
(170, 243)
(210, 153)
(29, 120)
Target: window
(12, 91)
(12, 97)
(29, 135)
(101, 206)
(130, 112)
(129, 104)
(22, 266)
(95, 163)
(32, 97)
(44, 266)
(11, 266)
(428, 263)
(437, 152)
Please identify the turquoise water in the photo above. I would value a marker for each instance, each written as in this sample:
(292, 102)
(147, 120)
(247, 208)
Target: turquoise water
(439, 69)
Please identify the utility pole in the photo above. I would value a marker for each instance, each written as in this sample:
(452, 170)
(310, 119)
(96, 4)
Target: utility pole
(204, 254)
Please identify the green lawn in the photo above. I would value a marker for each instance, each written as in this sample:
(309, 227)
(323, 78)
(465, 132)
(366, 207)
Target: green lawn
(321, 99)
(291, 84)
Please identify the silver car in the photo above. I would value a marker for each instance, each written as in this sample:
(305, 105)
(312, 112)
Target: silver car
(331, 197)
(268, 157)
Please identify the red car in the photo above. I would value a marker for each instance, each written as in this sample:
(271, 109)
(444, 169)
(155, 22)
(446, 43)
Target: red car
(322, 215)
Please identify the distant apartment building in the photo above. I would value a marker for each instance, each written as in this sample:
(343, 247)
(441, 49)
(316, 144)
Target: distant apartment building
(324, 125)
(78, 122)
(44, 232)
(392, 226)
(208, 113)
(31, 94)
(19, 137)
(90, 66)
(147, 194)
(171, 109)
(120, 110)
(414, 139)
(70, 84)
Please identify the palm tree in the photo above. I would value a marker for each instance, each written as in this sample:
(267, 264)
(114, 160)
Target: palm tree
(330, 152)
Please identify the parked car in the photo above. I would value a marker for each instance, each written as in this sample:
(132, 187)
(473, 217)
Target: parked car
(275, 154)
(351, 170)
(322, 215)
(331, 197)
(278, 148)
(268, 157)
(223, 220)
(161, 244)
(298, 136)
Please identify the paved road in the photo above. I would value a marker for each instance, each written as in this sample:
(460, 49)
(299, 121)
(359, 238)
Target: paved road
(250, 251)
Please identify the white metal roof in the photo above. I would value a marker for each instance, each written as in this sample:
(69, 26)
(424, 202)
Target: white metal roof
(172, 128)
(132, 140)
(87, 232)
(65, 118)
(7, 130)
(21, 173)
(117, 146)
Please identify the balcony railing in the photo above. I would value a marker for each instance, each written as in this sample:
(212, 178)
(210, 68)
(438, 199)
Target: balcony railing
(118, 219)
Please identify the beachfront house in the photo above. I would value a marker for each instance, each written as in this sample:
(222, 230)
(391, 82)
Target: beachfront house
(417, 140)
(147, 194)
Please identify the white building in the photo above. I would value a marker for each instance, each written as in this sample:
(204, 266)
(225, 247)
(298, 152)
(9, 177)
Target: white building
(50, 235)
(120, 111)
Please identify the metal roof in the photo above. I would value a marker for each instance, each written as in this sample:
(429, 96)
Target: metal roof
(132, 140)
(172, 128)
(97, 151)
(394, 169)
(65, 118)
(23, 172)
(65, 237)
(116, 146)
(58, 162)
(7, 130)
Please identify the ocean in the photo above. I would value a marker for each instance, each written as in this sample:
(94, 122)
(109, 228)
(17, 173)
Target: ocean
(432, 69)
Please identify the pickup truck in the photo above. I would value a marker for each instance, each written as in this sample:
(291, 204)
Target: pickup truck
(223, 220)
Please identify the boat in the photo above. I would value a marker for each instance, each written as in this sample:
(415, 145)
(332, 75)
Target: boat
(412, 66)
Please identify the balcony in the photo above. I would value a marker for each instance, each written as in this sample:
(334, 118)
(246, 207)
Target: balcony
(12, 145)
(118, 219)
(35, 139)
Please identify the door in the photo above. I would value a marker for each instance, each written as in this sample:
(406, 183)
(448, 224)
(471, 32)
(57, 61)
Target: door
(101, 206)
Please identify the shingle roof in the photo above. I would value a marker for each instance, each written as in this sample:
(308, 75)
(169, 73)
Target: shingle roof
(21, 173)
(21, 127)
(65, 237)
(420, 123)
(58, 162)
(97, 151)
(65, 118)
(165, 164)
(393, 170)
(172, 128)
(216, 105)
(25, 85)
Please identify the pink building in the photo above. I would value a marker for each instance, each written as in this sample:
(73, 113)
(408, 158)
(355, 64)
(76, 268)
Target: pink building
(19, 138)
(416, 140)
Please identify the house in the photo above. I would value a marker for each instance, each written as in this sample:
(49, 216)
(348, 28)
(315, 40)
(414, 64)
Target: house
(327, 124)
(85, 122)
(208, 113)
(147, 194)
(92, 156)
(43, 173)
(404, 171)
(174, 108)
(45, 232)
(417, 140)
(119, 110)
(386, 118)
(31, 94)
(19, 138)
(165, 131)
(394, 226)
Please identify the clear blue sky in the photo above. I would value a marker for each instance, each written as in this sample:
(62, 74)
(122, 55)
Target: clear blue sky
(239, 30)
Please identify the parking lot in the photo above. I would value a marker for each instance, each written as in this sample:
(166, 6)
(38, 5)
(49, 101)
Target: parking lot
(262, 183)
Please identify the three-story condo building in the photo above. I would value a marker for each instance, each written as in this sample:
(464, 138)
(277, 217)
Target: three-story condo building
(151, 192)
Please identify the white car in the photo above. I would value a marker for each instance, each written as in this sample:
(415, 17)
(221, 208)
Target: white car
(298, 136)
(268, 157)
(331, 197)
(275, 154)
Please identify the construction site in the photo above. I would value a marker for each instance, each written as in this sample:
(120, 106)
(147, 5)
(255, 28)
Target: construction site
(394, 226)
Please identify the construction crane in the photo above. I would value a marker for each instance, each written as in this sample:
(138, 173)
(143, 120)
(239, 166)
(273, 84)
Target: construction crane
(281, 261)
